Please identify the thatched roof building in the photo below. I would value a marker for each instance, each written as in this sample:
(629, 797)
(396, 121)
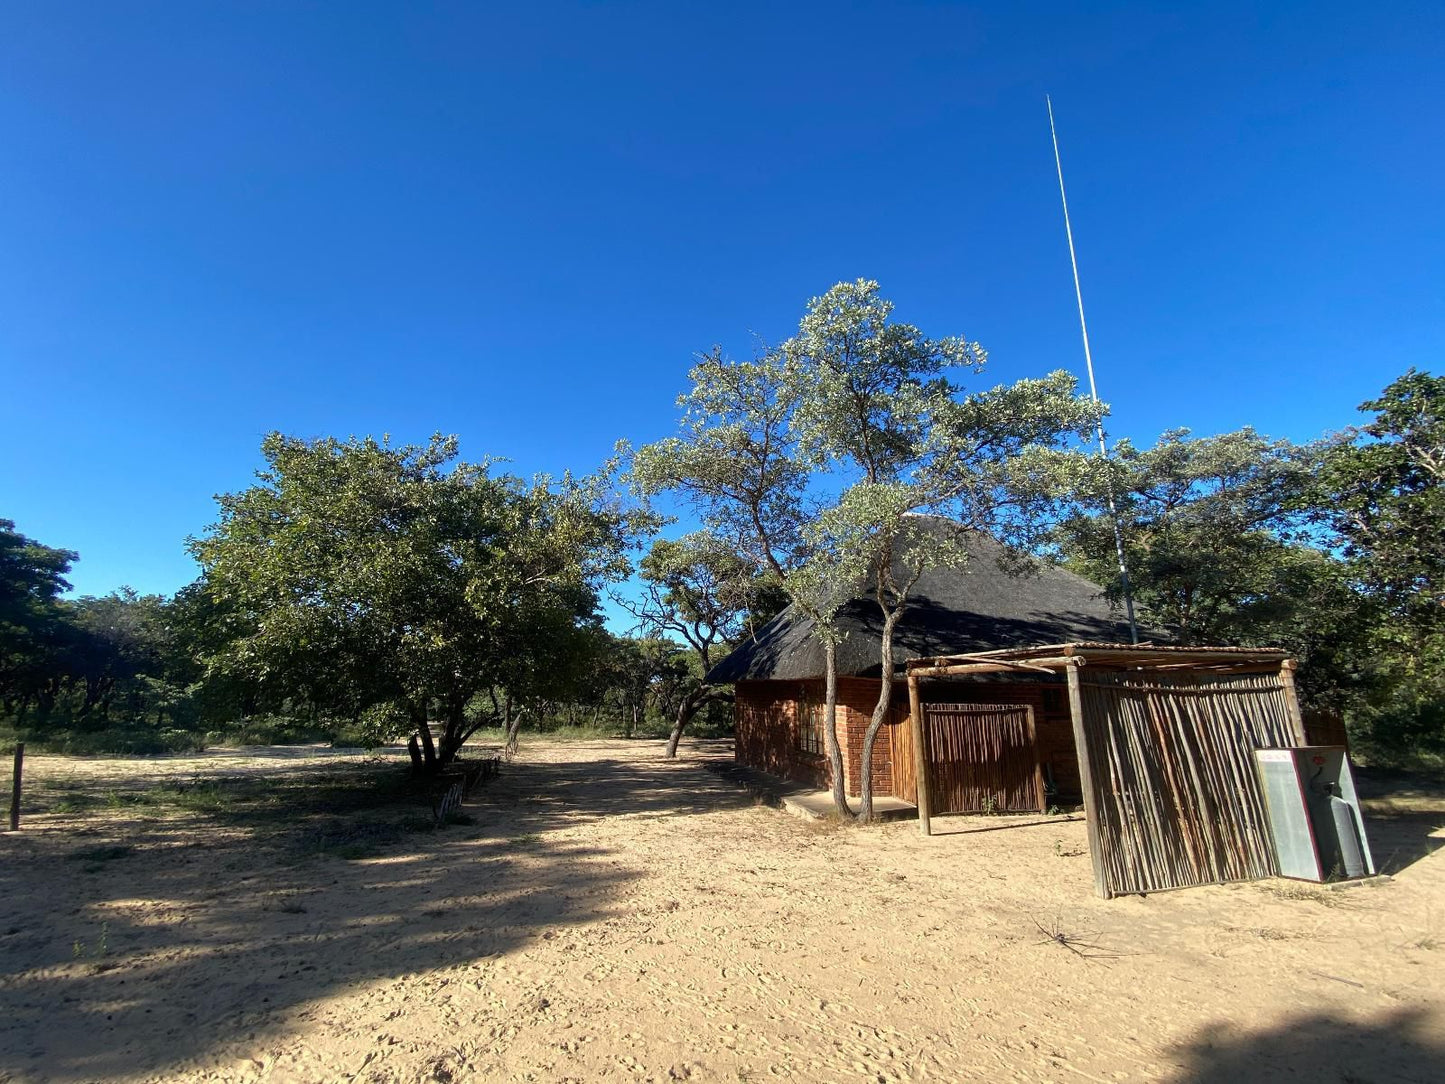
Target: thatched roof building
(992, 603)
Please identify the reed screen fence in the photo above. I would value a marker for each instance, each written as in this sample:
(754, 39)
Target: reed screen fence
(1176, 795)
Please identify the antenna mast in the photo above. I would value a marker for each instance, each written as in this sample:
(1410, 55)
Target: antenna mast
(1093, 390)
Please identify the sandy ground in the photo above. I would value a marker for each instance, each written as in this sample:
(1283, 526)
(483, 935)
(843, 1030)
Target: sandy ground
(613, 916)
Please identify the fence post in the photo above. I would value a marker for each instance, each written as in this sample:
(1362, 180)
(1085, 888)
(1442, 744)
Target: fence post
(920, 758)
(15, 788)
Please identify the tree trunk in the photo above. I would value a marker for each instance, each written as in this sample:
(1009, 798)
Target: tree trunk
(514, 730)
(454, 733)
(880, 715)
(830, 727)
(688, 708)
(423, 732)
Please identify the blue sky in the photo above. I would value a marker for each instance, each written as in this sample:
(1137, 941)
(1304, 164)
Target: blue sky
(517, 223)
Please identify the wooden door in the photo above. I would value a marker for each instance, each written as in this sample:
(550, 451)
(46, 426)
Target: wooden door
(983, 758)
(900, 748)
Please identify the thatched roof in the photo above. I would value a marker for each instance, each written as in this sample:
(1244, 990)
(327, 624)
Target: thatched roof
(989, 604)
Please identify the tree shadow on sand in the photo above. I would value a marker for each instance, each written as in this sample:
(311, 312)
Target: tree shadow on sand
(168, 925)
(1404, 1048)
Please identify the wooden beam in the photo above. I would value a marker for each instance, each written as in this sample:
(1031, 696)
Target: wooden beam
(1086, 779)
(1291, 699)
(958, 669)
(920, 757)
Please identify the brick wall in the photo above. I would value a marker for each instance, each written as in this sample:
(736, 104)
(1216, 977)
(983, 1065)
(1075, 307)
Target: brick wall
(767, 719)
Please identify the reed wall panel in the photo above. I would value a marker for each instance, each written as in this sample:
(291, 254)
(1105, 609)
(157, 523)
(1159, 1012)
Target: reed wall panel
(983, 758)
(1176, 792)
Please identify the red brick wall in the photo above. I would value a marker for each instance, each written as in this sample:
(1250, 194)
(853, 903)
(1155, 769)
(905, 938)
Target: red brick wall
(766, 714)
(767, 720)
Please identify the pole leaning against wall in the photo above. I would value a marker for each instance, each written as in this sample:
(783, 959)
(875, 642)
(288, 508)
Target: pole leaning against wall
(920, 757)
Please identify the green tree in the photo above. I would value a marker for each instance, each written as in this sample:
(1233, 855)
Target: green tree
(738, 463)
(808, 460)
(402, 584)
(121, 654)
(33, 631)
(1221, 550)
(1380, 490)
(702, 590)
(880, 409)
(1212, 531)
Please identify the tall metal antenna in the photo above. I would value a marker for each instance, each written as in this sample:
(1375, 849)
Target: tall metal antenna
(1093, 390)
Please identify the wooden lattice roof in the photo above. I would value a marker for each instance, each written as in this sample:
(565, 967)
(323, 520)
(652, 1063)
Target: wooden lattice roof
(1051, 657)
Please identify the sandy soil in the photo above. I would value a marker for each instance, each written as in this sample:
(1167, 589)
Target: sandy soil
(613, 916)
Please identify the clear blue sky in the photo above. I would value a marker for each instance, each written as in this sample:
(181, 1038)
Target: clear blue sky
(518, 223)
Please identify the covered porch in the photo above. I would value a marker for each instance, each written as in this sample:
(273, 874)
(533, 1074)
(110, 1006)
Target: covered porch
(1163, 737)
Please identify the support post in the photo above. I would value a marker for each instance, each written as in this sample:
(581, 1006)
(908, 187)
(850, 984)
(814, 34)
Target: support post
(15, 787)
(920, 756)
(1291, 699)
(1038, 761)
(1086, 778)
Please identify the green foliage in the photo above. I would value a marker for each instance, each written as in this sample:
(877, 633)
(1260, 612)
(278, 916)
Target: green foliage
(397, 586)
(1209, 526)
(1330, 551)
(807, 460)
(1381, 489)
(33, 633)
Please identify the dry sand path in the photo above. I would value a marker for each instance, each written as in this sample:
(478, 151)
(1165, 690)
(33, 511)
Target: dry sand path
(613, 916)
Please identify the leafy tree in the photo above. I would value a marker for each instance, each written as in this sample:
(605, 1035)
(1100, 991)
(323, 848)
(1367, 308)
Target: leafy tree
(878, 406)
(402, 584)
(700, 589)
(1211, 529)
(808, 460)
(33, 632)
(737, 461)
(1381, 491)
(122, 650)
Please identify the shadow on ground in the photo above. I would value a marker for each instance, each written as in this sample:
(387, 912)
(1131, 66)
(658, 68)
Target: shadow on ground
(144, 933)
(1404, 1048)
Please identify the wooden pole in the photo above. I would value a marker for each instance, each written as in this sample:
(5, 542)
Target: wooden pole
(1038, 762)
(920, 756)
(1086, 778)
(1291, 699)
(1046, 666)
(15, 787)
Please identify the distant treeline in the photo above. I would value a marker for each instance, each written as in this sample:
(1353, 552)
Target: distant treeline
(366, 593)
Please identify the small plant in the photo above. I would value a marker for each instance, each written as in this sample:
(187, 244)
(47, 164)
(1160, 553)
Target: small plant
(1054, 811)
(990, 805)
(80, 951)
(526, 840)
(72, 803)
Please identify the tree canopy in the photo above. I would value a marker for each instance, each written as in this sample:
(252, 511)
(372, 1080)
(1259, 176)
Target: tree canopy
(404, 583)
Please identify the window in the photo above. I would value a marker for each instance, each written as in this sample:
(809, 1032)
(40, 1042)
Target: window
(809, 732)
